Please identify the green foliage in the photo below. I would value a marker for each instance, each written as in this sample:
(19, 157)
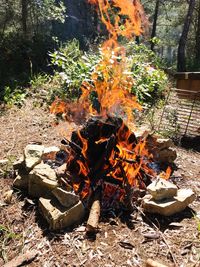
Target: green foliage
(24, 51)
(150, 79)
(39, 16)
(39, 80)
(48, 10)
(24, 58)
(6, 236)
(74, 66)
(44, 88)
(15, 97)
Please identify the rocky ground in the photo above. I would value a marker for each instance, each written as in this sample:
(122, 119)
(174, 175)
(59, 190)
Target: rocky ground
(121, 241)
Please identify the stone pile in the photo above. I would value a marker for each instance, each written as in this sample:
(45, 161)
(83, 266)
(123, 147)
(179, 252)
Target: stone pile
(162, 149)
(59, 206)
(165, 198)
(62, 208)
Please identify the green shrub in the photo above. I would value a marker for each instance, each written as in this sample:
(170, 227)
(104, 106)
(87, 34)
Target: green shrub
(15, 97)
(45, 88)
(39, 80)
(73, 66)
(150, 80)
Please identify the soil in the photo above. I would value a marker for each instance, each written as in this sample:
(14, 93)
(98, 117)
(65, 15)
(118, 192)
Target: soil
(121, 241)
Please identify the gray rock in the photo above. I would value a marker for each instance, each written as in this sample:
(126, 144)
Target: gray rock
(171, 206)
(161, 149)
(42, 180)
(51, 149)
(33, 155)
(59, 217)
(161, 189)
(141, 131)
(163, 143)
(67, 199)
(45, 171)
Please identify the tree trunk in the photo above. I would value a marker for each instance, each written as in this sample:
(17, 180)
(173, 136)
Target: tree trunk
(155, 18)
(197, 48)
(181, 61)
(24, 15)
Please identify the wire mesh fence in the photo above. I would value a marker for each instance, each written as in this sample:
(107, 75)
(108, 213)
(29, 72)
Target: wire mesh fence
(181, 113)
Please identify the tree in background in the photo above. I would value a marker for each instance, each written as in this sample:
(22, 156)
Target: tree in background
(29, 29)
(181, 60)
(167, 22)
(197, 41)
(26, 38)
(24, 16)
(155, 18)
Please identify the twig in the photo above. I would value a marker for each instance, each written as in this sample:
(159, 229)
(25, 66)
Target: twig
(14, 142)
(161, 234)
(71, 144)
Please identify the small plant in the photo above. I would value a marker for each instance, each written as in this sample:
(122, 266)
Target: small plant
(6, 236)
(197, 219)
(146, 68)
(39, 80)
(7, 169)
(15, 97)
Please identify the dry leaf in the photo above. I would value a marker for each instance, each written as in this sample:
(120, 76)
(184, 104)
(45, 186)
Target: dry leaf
(152, 235)
(175, 225)
(80, 229)
(126, 245)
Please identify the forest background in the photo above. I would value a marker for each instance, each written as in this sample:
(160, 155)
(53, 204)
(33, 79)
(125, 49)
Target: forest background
(38, 37)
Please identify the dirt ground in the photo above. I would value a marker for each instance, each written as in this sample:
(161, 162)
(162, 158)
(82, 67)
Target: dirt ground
(121, 241)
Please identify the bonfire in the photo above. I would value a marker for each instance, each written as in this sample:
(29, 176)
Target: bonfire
(105, 161)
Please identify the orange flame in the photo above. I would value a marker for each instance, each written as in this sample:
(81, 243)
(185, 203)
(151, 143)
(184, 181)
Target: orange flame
(165, 175)
(58, 106)
(127, 21)
(84, 143)
(112, 82)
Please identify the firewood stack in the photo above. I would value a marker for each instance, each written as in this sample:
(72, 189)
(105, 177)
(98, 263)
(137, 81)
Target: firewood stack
(106, 164)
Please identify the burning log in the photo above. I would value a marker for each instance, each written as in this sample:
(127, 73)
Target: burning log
(105, 156)
(93, 220)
